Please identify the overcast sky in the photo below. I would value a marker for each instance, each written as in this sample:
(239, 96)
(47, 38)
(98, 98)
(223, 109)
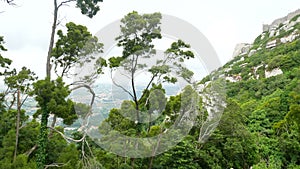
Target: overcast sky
(26, 28)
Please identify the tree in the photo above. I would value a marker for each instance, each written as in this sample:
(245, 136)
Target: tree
(136, 39)
(294, 112)
(51, 96)
(87, 7)
(73, 49)
(20, 84)
(69, 157)
(63, 109)
(182, 156)
(137, 35)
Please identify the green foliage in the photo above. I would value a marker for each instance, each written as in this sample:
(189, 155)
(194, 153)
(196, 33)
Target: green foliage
(259, 127)
(21, 80)
(182, 156)
(4, 62)
(295, 18)
(7, 122)
(259, 42)
(51, 98)
(88, 7)
(268, 109)
(77, 47)
(145, 29)
(27, 139)
(21, 163)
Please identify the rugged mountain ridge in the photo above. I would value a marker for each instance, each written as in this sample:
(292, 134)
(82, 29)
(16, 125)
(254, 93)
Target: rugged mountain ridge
(288, 24)
(262, 99)
(261, 59)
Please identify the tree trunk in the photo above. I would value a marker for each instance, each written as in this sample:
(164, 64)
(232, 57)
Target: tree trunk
(48, 64)
(17, 124)
(132, 162)
(154, 151)
(53, 125)
(43, 141)
(43, 138)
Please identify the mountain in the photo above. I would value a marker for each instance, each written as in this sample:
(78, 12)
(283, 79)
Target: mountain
(272, 53)
(248, 116)
(262, 95)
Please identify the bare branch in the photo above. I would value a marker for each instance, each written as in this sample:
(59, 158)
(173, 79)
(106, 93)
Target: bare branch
(87, 144)
(23, 125)
(125, 75)
(68, 139)
(5, 93)
(90, 90)
(119, 86)
(52, 125)
(23, 101)
(31, 150)
(13, 101)
(56, 165)
(64, 2)
(150, 82)
(10, 2)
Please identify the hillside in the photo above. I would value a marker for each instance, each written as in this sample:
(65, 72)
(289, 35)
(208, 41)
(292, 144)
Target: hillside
(244, 115)
(263, 83)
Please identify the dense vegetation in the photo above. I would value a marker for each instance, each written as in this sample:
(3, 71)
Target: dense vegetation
(260, 126)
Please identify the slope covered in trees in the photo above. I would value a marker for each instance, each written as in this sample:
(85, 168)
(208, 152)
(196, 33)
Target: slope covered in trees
(260, 126)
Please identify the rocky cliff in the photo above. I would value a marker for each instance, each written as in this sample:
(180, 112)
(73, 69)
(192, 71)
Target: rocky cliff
(274, 52)
(283, 20)
(280, 31)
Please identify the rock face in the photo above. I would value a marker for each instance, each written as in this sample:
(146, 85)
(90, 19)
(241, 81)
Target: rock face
(289, 38)
(234, 78)
(279, 21)
(278, 27)
(281, 31)
(273, 72)
(271, 44)
(241, 48)
(252, 52)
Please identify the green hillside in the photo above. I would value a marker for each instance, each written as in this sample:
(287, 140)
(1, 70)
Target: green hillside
(243, 115)
(263, 87)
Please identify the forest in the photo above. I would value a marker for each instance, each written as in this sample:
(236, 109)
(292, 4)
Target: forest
(252, 122)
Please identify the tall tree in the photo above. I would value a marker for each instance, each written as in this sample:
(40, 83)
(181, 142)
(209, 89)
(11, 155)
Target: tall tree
(87, 7)
(51, 96)
(19, 83)
(136, 39)
(138, 31)
(71, 49)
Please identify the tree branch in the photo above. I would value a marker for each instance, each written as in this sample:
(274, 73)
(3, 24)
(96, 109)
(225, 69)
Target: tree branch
(23, 101)
(68, 139)
(90, 90)
(48, 64)
(64, 2)
(10, 2)
(13, 101)
(150, 82)
(119, 86)
(31, 150)
(56, 165)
